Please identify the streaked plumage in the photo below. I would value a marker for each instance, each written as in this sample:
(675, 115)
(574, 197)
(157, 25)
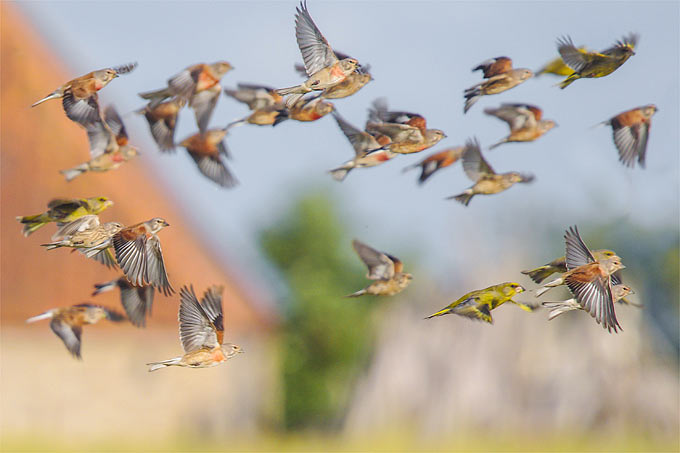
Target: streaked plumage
(631, 132)
(136, 300)
(208, 151)
(385, 269)
(500, 76)
(437, 161)
(162, 119)
(525, 122)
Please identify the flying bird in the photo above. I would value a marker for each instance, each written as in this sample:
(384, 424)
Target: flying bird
(487, 181)
(594, 64)
(437, 161)
(323, 67)
(479, 303)
(619, 292)
(384, 269)
(68, 322)
(500, 76)
(557, 66)
(208, 150)
(139, 255)
(136, 300)
(162, 119)
(201, 331)
(64, 210)
(525, 121)
(559, 265)
(631, 132)
(353, 83)
(369, 151)
(79, 96)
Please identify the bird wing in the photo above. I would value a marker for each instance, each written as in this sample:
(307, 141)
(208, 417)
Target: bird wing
(212, 305)
(183, 84)
(195, 328)
(578, 253)
(361, 141)
(69, 334)
(214, 169)
(130, 248)
(101, 137)
(398, 133)
(596, 298)
(474, 165)
(203, 104)
(517, 116)
(380, 266)
(473, 308)
(631, 142)
(627, 41)
(83, 111)
(104, 257)
(86, 222)
(573, 57)
(113, 120)
(163, 131)
(136, 300)
(156, 274)
(315, 49)
(494, 66)
(257, 97)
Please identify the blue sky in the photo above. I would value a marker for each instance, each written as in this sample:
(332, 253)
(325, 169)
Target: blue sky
(421, 55)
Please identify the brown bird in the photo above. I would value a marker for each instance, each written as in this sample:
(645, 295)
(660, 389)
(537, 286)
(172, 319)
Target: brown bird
(500, 77)
(109, 147)
(524, 120)
(353, 83)
(560, 265)
(589, 280)
(79, 96)
(631, 132)
(385, 269)
(199, 85)
(207, 149)
(322, 65)
(136, 300)
(139, 254)
(162, 119)
(86, 233)
(619, 292)
(201, 331)
(487, 181)
(68, 322)
(437, 161)
(407, 131)
(256, 97)
(310, 109)
(369, 150)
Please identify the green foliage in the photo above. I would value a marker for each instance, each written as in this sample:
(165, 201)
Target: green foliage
(326, 337)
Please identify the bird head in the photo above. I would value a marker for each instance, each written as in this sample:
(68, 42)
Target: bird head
(546, 125)
(105, 75)
(156, 224)
(348, 65)
(221, 67)
(98, 204)
(649, 110)
(434, 135)
(525, 74)
(512, 288)
(231, 350)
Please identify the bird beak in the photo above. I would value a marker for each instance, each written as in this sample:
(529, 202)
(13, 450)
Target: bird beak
(520, 289)
(165, 223)
(241, 351)
(631, 292)
(115, 75)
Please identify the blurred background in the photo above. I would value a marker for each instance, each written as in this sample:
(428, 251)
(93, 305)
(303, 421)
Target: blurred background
(322, 372)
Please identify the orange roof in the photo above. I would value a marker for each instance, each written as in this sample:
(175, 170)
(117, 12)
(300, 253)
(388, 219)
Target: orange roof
(37, 142)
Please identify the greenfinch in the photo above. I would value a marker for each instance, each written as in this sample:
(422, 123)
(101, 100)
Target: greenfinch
(63, 211)
(385, 269)
(619, 292)
(479, 303)
(594, 64)
(558, 67)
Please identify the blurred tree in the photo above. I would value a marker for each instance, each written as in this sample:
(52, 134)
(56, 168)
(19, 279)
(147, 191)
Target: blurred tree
(325, 336)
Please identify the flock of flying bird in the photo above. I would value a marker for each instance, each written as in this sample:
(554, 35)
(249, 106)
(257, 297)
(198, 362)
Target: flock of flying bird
(593, 277)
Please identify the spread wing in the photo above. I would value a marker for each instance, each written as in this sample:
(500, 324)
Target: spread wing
(517, 116)
(573, 57)
(473, 309)
(102, 139)
(136, 300)
(214, 169)
(212, 305)
(631, 142)
(361, 141)
(474, 165)
(203, 104)
(104, 257)
(86, 222)
(116, 125)
(83, 111)
(398, 133)
(184, 83)
(195, 328)
(141, 259)
(380, 266)
(578, 253)
(596, 298)
(316, 52)
(627, 41)
(69, 334)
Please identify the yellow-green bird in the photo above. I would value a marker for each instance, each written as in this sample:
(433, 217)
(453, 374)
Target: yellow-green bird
(559, 265)
(64, 211)
(478, 304)
(558, 67)
(594, 64)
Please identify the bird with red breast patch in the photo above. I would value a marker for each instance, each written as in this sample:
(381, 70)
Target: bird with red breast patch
(631, 132)
(136, 300)
(162, 119)
(407, 131)
(324, 69)
(79, 96)
(500, 76)
(369, 150)
(199, 85)
(139, 255)
(208, 151)
(201, 331)
(67, 323)
(109, 146)
(353, 83)
(525, 121)
(437, 161)
(385, 269)
(310, 109)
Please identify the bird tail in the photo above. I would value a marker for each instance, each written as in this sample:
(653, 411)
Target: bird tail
(52, 245)
(442, 312)
(361, 292)
(539, 274)
(56, 94)
(71, 173)
(340, 173)
(410, 167)
(495, 145)
(297, 89)
(156, 95)
(463, 198)
(525, 307)
(282, 116)
(153, 366)
(548, 286)
(557, 308)
(47, 315)
(33, 222)
(103, 287)
(568, 81)
(472, 95)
